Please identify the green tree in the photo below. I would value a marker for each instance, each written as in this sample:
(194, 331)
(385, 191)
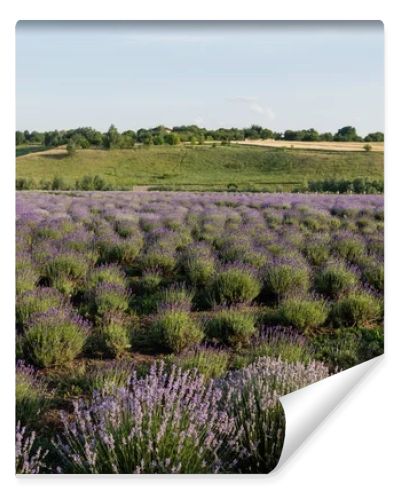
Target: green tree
(375, 137)
(111, 138)
(19, 138)
(347, 134)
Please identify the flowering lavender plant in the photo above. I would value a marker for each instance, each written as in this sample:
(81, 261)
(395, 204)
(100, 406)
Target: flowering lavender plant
(29, 459)
(163, 423)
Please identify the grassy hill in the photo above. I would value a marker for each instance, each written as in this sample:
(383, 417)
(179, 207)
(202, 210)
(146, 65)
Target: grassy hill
(201, 167)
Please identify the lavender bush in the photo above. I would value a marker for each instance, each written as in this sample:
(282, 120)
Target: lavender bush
(163, 423)
(29, 459)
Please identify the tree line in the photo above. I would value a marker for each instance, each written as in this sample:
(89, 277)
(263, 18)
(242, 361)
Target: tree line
(85, 137)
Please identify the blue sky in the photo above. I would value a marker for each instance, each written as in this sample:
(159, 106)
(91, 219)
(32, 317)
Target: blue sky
(141, 74)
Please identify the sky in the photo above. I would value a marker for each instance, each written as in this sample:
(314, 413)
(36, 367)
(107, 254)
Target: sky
(280, 75)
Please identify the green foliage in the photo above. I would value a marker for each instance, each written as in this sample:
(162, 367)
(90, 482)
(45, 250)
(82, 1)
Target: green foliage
(357, 309)
(373, 274)
(37, 301)
(347, 134)
(290, 352)
(111, 337)
(25, 280)
(31, 398)
(92, 376)
(106, 298)
(335, 280)
(303, 314)
(235, 286)
(344, 348)
(349, 248)
(174, 331)
(284, 280)
(53, 339)
(316, 253)
(211, 363)
(231, 327)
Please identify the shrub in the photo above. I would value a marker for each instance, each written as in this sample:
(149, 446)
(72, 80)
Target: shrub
(29, 458)
(199, 269)
(303, 314)
(54, 337)
(111, 274)
(65, 269)
(37, 301)
(109, 297)
(30, 395)
(283, 279)
(373, 274)
(158, 260)
(175, 331)
(235, 285)
(166, 422)
(111, 336)
(357, 309)
(287, 350)
(149, 282)
(259, 418)
(102, 376)
(230, 327)
(335, 280)
(348, 248)
(177, 298)
(346, 348)
(25, 280)
(317, 253)
(211, 363)
(113, 248)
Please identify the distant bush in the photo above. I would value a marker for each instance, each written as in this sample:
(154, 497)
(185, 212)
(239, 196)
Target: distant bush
(357, 309)
(54, 337)
(175, 331)
(90, 183)
(231, 327)
(358, 185)
(303, 314)
(22, 184)
(235, 285)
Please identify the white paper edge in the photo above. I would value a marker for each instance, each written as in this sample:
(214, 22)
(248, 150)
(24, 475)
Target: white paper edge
(306, 408)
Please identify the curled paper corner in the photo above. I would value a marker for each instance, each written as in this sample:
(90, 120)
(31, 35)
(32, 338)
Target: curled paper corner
(307, 408)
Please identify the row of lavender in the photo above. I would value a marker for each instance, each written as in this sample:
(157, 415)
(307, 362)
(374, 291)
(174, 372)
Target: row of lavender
(104, 275)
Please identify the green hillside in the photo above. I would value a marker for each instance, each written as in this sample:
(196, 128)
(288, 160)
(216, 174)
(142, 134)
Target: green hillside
(201, 167)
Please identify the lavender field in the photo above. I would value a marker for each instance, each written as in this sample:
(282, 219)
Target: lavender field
(157, 331)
